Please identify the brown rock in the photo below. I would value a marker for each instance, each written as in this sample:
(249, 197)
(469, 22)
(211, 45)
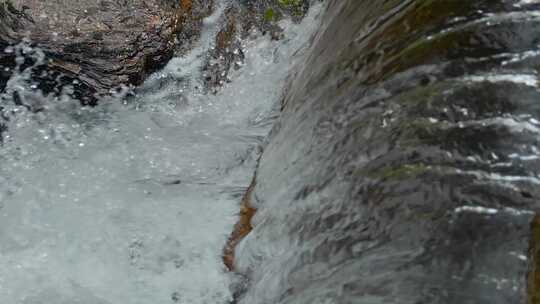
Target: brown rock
(241, 229)
(227, 52)
(102, 43)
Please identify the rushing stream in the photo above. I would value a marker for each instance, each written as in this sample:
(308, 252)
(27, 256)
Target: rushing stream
(132, 201)
(404, 167)
(395, 145)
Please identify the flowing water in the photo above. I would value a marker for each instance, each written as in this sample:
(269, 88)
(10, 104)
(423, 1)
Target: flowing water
(132, 201)
(404, 167)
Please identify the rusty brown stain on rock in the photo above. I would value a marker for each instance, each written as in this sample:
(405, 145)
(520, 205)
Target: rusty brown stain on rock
(533, 277)
(186, 5)
(242, 227)
(225, 36)
(183, 14)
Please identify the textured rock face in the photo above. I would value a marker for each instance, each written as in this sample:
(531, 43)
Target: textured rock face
(404, 168)
(102, 43)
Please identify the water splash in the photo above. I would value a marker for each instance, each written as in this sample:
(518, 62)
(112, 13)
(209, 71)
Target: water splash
(132, 201)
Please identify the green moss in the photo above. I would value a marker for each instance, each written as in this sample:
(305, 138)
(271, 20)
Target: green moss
(269, 15)
(400, 172)
(7, 4)
(403, 43)
(293, 6)
(425, 215)
(424, 97)
(418, 131)
(290, 3)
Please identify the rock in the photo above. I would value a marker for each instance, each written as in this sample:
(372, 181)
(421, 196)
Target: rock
(242, 228)
(533, 278)
(227, 52)
(101, 43)
(269, 10)
(404, 167)
(241, 17)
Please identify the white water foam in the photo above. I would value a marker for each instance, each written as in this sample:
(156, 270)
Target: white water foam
(132, 203)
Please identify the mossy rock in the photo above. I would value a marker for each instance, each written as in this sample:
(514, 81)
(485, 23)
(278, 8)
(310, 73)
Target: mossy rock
(533, 278)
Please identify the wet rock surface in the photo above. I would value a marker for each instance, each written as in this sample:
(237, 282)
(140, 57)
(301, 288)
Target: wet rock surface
(243, 18)
(405, 165)
(95, 46)
(100, 44)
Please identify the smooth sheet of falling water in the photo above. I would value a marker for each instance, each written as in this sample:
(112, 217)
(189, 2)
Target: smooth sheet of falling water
(132, 203)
